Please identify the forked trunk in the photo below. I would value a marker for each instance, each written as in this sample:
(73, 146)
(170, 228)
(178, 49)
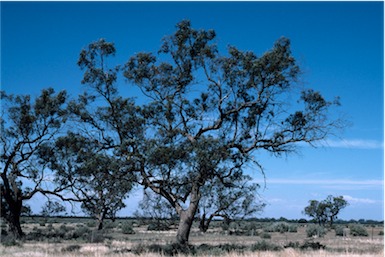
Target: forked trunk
(186, 218)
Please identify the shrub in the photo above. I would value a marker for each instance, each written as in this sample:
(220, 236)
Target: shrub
(96, 236)
(127, 228)
(312, 245)
(265, 246)
(315, 230)
(158, 226)
(339, 231)
(71, 248)
(381, 233)
(293, 229)
(81, 232)
(9, 240)
(265, 235)
(358, 230)
(91, 224)
(280, 227)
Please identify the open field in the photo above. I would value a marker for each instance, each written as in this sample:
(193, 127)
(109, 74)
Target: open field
(70, 238)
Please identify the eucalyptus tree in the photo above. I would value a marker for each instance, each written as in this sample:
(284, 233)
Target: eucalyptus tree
(210, 114)
(94, 177)
(237, 198)
(98, 156)
(326, 210)
(26, 125)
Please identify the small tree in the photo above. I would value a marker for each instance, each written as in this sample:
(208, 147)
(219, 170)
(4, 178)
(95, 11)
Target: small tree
(235, 200)
(98, 180)
(26, 125)
(326, 210)
(52, 208)
(156, 208)
(97, 159)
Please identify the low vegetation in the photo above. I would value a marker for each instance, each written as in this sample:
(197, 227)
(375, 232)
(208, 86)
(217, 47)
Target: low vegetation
(65, 237)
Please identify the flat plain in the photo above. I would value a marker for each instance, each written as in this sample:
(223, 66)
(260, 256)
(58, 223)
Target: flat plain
(77, 237)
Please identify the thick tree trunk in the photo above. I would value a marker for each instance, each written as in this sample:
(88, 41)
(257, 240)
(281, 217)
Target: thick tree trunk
(186, 218)
(12, 209)
(184, 228)
(14, 225)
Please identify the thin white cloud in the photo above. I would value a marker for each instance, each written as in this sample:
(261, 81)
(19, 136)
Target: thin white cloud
(352, 199)
(325, 182)
(354, 144)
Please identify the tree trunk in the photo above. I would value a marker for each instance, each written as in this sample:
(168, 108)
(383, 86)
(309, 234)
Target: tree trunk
(101, 219)
(185, 222)
(14, 225)
(186, 218)
(12, 209)
(203, 225)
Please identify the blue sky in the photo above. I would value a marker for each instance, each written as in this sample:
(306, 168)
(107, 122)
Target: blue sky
(339, 47)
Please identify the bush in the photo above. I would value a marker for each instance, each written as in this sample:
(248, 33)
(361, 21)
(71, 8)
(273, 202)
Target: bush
(9, 240)
(81, 232)
(293, 229)
(265, 235)
(91, 224)
(158, 226)
(96, 236)
(280, 227)
(312, 245)
(265, 246)
(127, 228)
(315, 231)
(358, 230)
(71, 248)
(339, 231)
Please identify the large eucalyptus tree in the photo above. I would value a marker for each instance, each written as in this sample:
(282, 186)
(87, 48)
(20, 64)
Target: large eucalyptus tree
(210, 114)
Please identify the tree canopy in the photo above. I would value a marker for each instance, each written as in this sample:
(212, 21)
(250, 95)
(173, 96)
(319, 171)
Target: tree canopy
(205, 117)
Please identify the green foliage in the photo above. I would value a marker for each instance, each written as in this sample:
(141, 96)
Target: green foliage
(10, 240)
(265, 235)
(158, 226)
(71, 248)
(326, 210)
(358, 230)
(313, 230)
(127, 228)
(305, 246)
(265, 246)
(91, 224)
(281, 227)
(340, 230)
(26, 125)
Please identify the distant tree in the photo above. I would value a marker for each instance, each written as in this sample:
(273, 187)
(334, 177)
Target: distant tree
(98, 180)
(326, 210)
(52, 208)
(156, 208)
(209, 114)
(26, 125)
(237, 199)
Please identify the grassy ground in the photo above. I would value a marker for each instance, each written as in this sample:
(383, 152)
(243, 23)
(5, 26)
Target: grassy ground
(44, 240)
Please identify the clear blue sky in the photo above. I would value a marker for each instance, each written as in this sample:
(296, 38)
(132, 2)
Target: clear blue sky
(339, 46)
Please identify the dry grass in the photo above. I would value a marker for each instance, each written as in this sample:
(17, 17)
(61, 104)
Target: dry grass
(119, 245)
(86, 250)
